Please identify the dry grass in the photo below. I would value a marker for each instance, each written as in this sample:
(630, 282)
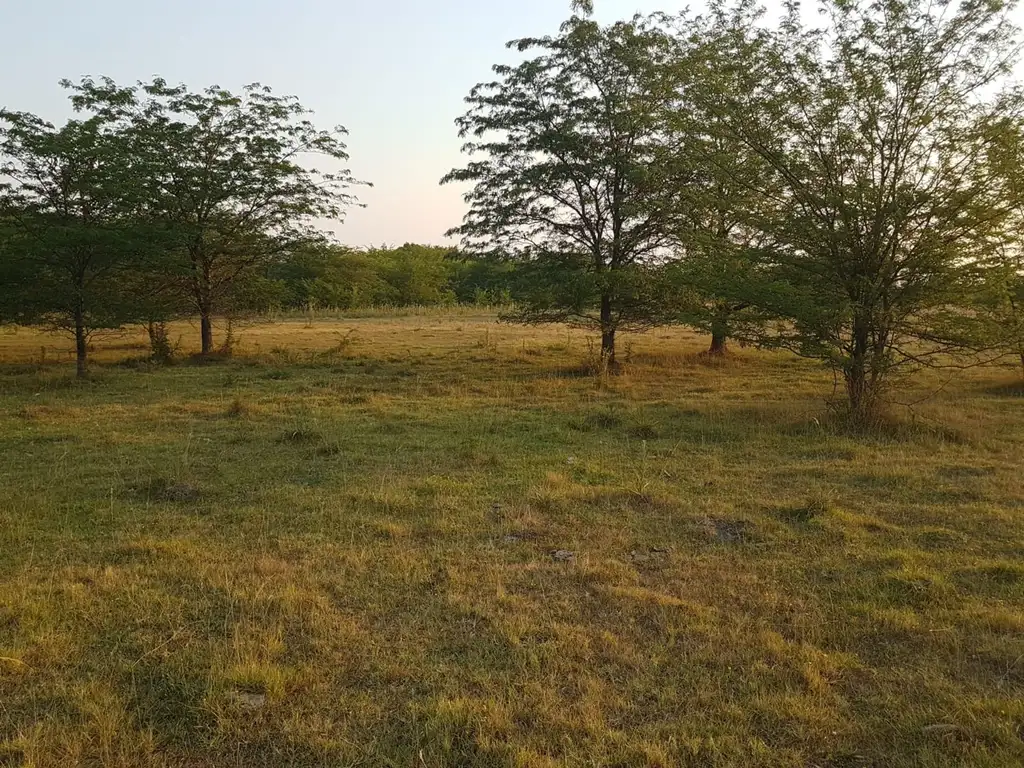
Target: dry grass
(336, 549)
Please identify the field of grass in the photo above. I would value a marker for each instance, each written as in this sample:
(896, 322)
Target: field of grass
(432, 540)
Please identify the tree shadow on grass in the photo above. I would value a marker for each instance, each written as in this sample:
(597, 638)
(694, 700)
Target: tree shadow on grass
(170, 703)
(1006, 389)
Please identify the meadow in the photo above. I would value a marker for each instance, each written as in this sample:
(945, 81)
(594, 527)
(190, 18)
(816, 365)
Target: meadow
(431, 539)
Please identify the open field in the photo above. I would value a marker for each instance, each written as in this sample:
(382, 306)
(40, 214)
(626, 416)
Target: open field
(336, 549)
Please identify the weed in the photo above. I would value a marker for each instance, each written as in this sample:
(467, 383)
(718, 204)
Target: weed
(817, 506)
(300, 436)
(238, 408)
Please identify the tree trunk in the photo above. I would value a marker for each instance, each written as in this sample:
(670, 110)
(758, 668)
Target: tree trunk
(861, 389)
(856, 391)
(81, 345)
(719, 336)
(201, 292)
(607, 333)
(206, 324)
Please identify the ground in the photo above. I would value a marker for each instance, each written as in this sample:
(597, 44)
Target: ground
(436, 540)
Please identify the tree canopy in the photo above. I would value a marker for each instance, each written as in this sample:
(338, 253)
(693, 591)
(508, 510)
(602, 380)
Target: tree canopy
(229, 174)
(570, 172)
(75, 243)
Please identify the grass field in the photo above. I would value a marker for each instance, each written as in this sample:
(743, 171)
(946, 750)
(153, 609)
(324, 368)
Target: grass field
(431, 540)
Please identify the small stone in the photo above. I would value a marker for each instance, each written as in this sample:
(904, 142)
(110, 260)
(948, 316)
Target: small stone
(571, 460)
(944, 728)
(564, 556)
(656, 554)
(251, 700)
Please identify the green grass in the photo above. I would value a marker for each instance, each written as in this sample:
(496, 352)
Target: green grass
(326, 553)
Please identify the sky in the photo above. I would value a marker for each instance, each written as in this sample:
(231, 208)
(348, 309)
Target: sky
(393, 72)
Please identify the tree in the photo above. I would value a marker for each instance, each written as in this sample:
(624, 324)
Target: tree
(329, 275)
(875, 126)
(1002, 302)
(73, 244)
(226, 174)
(417, 274)
(717, 271)
(573, 175)
(483, 281)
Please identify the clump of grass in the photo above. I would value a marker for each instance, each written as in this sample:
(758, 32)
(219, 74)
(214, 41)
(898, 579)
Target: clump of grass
(139, 364)
(12, 755)
(211, 358)
(278, 374)
(301, 435)
(915, 587)
(597, 420)
(166, 490)
(329, 448)
(238, 408)
(258, 678)
(644, 431)
(816, 506)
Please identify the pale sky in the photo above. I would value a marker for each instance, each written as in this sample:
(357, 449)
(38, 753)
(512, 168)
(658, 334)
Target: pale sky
(394, 72)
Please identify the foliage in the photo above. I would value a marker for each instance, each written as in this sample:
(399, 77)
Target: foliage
(876, 127)
(483, 281)
(417, 274)
(74, 248)
(1002, 300)
(717, 270)
(225, 172)
(572, 176)
(327, 275)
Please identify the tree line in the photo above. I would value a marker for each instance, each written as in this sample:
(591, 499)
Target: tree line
(333, 276)
(850, 190)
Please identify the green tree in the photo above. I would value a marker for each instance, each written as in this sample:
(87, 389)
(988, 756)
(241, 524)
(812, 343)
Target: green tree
(717, 273)
(74, 245)
(330, 275)
(570, 175)
(483, 281)
(229, 174)
(1002, 301)
(875, 126)
(418, 274)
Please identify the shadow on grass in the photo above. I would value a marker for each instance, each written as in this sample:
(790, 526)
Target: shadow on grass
(170, 703)
(1006, 389)
(580, 370)
(889, 428)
